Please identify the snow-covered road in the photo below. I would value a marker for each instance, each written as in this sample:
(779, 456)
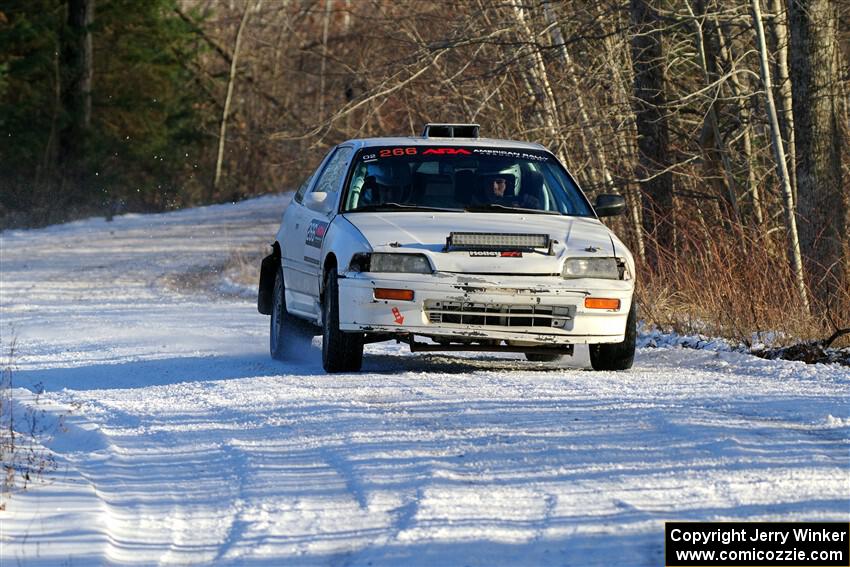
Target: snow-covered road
(179, 441)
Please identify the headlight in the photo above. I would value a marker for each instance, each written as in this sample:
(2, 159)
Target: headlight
(604, 268)
(399, 263)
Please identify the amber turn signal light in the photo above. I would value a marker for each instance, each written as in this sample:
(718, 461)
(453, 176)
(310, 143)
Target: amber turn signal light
(601, 303)
(397, 294)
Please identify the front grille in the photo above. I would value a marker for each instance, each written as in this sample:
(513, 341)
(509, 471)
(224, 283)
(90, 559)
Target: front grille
(499, 314)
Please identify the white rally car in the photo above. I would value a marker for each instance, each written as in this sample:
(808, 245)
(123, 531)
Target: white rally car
(448, 242)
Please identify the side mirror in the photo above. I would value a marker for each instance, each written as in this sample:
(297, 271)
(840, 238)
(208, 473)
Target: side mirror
(610, 205)
(318, 201)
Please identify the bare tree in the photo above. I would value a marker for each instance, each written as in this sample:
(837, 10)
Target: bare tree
(738, 91)
(779, 29)
(707, 62)
(651, 120)
(779, 155)
(325, 24)
(617, 58)
(538, 79)
(231, 83)
(76, 70)
(816, 91)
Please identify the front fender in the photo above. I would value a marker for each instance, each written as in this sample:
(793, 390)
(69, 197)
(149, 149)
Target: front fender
(621, 251)
(343, 241)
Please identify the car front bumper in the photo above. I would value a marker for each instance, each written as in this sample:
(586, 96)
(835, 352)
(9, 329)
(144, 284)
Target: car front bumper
(524, 310)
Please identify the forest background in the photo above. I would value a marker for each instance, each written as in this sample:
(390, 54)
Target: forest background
(724, 123)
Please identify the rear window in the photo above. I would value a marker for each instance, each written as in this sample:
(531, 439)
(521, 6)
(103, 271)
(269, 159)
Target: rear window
(461, 178)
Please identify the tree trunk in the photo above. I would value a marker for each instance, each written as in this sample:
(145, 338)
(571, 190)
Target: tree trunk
(231, 82)
(816, 91)
(738, 93)
(618, 60)
(590, 142)
(325, 25)
(651, 122)
(538, 81)
(708, 59)
(779, 28)
(779, 156)
(76, 71)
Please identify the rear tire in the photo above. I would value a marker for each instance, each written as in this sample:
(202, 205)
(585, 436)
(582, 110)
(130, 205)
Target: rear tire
(341, 352)
(287, 339)
(617, 356)
(541, 357)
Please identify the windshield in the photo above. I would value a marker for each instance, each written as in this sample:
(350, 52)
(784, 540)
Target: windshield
(410, 178)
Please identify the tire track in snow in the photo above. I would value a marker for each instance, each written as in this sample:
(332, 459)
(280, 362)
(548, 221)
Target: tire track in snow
(219, 455)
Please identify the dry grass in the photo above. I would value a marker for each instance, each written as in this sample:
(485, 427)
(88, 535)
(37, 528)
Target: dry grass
(23, 434)
(237, 274)
(737, 285)
(242, 267)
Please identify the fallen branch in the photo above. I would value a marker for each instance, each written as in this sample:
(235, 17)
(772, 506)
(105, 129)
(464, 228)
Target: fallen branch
(835, 336)
(810, 352)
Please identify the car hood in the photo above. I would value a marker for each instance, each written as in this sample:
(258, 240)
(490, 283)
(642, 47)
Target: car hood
(426, 233)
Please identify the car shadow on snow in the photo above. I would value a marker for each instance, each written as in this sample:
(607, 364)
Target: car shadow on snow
(117, 374)
(160, 372)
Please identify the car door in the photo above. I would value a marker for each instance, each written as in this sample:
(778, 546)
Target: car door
(293, 268)
(306, 231)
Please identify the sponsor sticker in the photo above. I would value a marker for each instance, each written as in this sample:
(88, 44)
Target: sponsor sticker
(511, 153)
(316, 233)
(495, 254)
(380, 153)
(447, 152)
(406, 151)
(397, 152)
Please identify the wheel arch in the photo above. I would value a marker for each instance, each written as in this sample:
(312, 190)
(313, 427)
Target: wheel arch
(329, 264)
(268, 273)
(342, 242)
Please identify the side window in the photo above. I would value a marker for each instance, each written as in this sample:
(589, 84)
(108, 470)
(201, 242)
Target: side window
(356, 186)
(299, 195)
(331, 177)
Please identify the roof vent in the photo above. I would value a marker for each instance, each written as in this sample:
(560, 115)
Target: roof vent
(450, 131)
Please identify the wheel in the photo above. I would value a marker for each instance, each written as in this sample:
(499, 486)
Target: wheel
(541, 357)
(287, 340)
(617, 356)
(341, 352)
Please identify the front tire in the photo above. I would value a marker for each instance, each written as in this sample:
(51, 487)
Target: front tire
(617, 356)
(341, 352)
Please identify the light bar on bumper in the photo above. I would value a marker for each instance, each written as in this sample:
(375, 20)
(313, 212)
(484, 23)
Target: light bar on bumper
(395, 263)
